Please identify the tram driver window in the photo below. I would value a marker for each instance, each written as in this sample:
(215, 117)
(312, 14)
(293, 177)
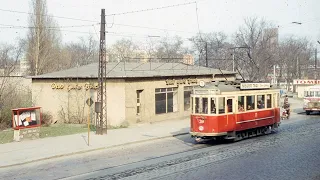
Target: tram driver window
(230, 105)
(197, 107)
(260, 102)
(222, 105)
(268, 100)
(213, 105)
(204, 106)
(250, 103)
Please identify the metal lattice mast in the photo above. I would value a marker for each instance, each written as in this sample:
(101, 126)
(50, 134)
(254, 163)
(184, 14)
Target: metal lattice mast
(102, 94)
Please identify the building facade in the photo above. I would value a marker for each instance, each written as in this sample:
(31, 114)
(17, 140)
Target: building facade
(301, 84)
(136, 92)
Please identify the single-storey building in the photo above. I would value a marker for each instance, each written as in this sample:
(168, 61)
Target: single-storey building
(136, 92)
(301, 84)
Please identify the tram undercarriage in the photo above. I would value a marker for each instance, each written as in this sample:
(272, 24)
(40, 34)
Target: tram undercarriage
(240, 135)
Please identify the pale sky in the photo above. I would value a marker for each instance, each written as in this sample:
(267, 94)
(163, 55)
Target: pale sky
(213, 15)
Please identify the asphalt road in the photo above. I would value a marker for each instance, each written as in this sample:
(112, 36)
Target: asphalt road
(291, 153)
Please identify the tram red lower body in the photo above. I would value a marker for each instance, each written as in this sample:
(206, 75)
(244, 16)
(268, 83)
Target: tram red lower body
(218, 125)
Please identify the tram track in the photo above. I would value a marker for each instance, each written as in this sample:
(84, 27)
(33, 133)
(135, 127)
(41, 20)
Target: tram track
(200, 155)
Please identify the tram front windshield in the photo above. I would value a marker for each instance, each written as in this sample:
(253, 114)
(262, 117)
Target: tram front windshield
(205, 105)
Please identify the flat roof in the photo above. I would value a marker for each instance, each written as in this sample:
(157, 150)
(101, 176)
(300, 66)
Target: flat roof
(134, 70)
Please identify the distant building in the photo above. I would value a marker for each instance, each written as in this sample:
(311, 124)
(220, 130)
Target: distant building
(188, 59)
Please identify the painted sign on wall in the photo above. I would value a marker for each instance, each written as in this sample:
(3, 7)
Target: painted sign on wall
(306, 81)
(181, 81)
(69, 87)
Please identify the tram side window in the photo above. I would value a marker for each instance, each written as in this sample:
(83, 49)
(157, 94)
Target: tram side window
(222, 105)
(269, 100)
(213, 105)
(241, 103)
(250, 102)
(260, 102)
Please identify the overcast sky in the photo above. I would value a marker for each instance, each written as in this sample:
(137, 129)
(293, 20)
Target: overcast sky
(213, 15)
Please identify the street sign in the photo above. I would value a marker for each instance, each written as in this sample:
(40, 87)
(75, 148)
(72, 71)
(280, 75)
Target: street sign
(89, 102)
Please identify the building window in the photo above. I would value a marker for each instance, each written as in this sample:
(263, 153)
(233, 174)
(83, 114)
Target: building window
(166, 100)
(186, 94)
(138, 101)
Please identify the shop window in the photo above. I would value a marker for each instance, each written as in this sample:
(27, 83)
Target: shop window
(269, 98)
(213, 106)
(240, 103)
(221, 105)
(166, 100)
(250, 103)
(186, 95)
(260, 102)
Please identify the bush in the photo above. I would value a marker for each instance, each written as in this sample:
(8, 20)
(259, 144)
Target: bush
(46, 119)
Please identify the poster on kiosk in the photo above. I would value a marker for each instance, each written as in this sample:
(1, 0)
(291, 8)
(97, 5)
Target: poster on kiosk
(26, 117)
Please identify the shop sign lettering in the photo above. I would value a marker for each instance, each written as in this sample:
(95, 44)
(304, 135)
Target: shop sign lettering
(69, 87)
(309, 81)
(181, 81)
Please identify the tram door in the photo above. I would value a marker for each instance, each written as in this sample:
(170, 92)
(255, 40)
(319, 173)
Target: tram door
(230, 109)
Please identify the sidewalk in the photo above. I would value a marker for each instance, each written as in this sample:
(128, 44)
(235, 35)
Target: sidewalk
(36, 150)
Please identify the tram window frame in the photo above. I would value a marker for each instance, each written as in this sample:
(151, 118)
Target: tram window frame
(269, 101)
(213, 109)
(229, 106)
(252, 102)
(196, 105)
(223, 109)
(241, 103)
(261, 97)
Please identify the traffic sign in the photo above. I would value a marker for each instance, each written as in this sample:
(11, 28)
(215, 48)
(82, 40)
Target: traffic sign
(89, 102)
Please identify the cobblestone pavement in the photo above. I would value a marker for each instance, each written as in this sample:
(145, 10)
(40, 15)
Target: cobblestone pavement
(292, 153)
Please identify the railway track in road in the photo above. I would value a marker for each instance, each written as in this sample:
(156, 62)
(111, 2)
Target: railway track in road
(203, 154)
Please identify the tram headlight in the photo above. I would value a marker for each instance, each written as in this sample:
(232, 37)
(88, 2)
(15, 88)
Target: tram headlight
(201, 128)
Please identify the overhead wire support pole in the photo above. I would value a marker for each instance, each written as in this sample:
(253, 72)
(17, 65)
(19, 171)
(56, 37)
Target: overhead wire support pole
(101, 108)
(206, 54)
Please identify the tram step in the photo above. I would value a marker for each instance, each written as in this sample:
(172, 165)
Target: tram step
(229, 137)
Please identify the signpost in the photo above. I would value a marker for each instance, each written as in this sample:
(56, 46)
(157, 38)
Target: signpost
(89, 102)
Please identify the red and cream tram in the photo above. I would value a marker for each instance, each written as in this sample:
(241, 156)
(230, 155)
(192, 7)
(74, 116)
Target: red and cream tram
(234, 110)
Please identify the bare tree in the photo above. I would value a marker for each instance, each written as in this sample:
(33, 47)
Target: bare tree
(261, 40)
(81, 53)
(43, 40)
(170, 50)
(122, 50)
(9, 95)
(294, 59)
(214, 48)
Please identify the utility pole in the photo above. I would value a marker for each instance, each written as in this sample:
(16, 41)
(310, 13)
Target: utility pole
(315, 64)
(101, 104)
(206, 54)
(233, 59)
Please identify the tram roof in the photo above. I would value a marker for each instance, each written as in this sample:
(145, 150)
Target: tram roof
(229, 86)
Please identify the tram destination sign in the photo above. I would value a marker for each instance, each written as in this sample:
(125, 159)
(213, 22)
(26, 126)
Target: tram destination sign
(247, 86)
